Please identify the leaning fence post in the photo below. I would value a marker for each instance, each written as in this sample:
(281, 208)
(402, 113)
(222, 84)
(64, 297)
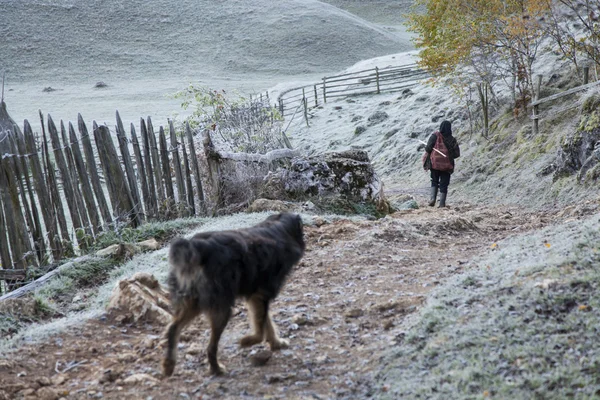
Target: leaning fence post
(377, 79)
(324, 90)
(181, 195)
(92, 170)
(305, 104)
(196, 169)
(65, 173)
(48, 212)
(536, 121)
(316, 97)
(129, 172)
(84, 180)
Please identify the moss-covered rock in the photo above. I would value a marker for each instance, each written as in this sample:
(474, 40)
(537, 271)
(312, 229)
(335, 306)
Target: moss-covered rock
(348, 176)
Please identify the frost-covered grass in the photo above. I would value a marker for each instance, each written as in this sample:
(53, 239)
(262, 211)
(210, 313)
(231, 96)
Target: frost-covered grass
(522, 325)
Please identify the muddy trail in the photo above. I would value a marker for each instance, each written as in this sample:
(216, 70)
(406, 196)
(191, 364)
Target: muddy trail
(350, 299)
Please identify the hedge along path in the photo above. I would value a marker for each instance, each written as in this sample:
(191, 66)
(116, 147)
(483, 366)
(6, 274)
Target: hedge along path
(131, 179)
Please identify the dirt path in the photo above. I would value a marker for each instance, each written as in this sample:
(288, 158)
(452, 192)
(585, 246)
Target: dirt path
(347, 302)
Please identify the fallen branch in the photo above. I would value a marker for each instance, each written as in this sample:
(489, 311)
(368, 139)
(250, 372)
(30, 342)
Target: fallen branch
(260, 158)
(69, 367)
(23, 290)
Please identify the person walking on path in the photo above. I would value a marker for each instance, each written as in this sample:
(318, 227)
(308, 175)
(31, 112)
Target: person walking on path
(442, 148)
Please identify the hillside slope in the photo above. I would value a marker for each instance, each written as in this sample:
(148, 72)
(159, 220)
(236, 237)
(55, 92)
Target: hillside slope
(94, 40)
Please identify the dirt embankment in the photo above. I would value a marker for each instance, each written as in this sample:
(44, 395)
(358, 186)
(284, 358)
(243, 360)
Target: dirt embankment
(354, 296)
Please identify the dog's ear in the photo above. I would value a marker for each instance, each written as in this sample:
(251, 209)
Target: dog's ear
(274, 217)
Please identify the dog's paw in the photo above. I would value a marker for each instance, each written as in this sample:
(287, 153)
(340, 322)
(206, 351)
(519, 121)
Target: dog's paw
(279, 344)
(217, 370)
(168, 366)
(250, 340)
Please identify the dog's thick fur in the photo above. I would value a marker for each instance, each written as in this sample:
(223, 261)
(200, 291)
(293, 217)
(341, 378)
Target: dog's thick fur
(212, 269)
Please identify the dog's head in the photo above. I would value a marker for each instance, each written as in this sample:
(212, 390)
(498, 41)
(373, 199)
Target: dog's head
(291, 223)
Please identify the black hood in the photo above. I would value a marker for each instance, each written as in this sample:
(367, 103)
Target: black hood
(446, 128)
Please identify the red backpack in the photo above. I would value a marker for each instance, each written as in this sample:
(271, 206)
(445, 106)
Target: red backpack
(438, 161)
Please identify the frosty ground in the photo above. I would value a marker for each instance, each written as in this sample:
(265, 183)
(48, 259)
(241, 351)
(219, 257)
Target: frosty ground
(494, 297)
(349, 303)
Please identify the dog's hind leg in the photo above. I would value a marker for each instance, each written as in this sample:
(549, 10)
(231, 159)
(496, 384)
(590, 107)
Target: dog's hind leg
(273, 339)
(218, 321)
(257, 314)
(184, 316)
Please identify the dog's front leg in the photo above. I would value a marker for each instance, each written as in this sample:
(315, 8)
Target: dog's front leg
(182, 317)
(273, 339)
(218, 322)
(256, 314)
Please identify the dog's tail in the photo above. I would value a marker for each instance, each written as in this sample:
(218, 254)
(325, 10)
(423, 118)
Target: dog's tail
(185, 260)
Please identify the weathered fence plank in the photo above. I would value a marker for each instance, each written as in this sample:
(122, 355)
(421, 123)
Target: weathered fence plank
(12, 274)
(214, 170)
(158, 172)
(65, 176)
(141, 171)
(565, 93)
(92, 170)
(23, 290)
(38, 236)
(196, 169)
(85, 221)
(48, 212)
(181, 197)
(164, 159)
(118, 189)
(131, 179)
(5, 258)
(149, 172)
(188, 181)
(54, 194)
(30, 257)
(13, 216)
(17, 160)
(84, 180)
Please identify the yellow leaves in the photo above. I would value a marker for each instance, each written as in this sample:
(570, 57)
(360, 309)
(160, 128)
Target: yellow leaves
(584, 308)
(494, 246)
(548, 245)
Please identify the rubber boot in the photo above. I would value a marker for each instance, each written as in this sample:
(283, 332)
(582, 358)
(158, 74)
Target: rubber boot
(443, 200)
(434, 192)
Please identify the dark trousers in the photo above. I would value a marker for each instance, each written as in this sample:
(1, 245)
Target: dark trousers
(440, 179)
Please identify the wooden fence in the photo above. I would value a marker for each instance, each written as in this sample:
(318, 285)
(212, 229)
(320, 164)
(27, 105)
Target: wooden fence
(61, 189)
(371, 81)
(536, 116)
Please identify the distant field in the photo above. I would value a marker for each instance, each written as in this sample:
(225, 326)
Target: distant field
(145, 50)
